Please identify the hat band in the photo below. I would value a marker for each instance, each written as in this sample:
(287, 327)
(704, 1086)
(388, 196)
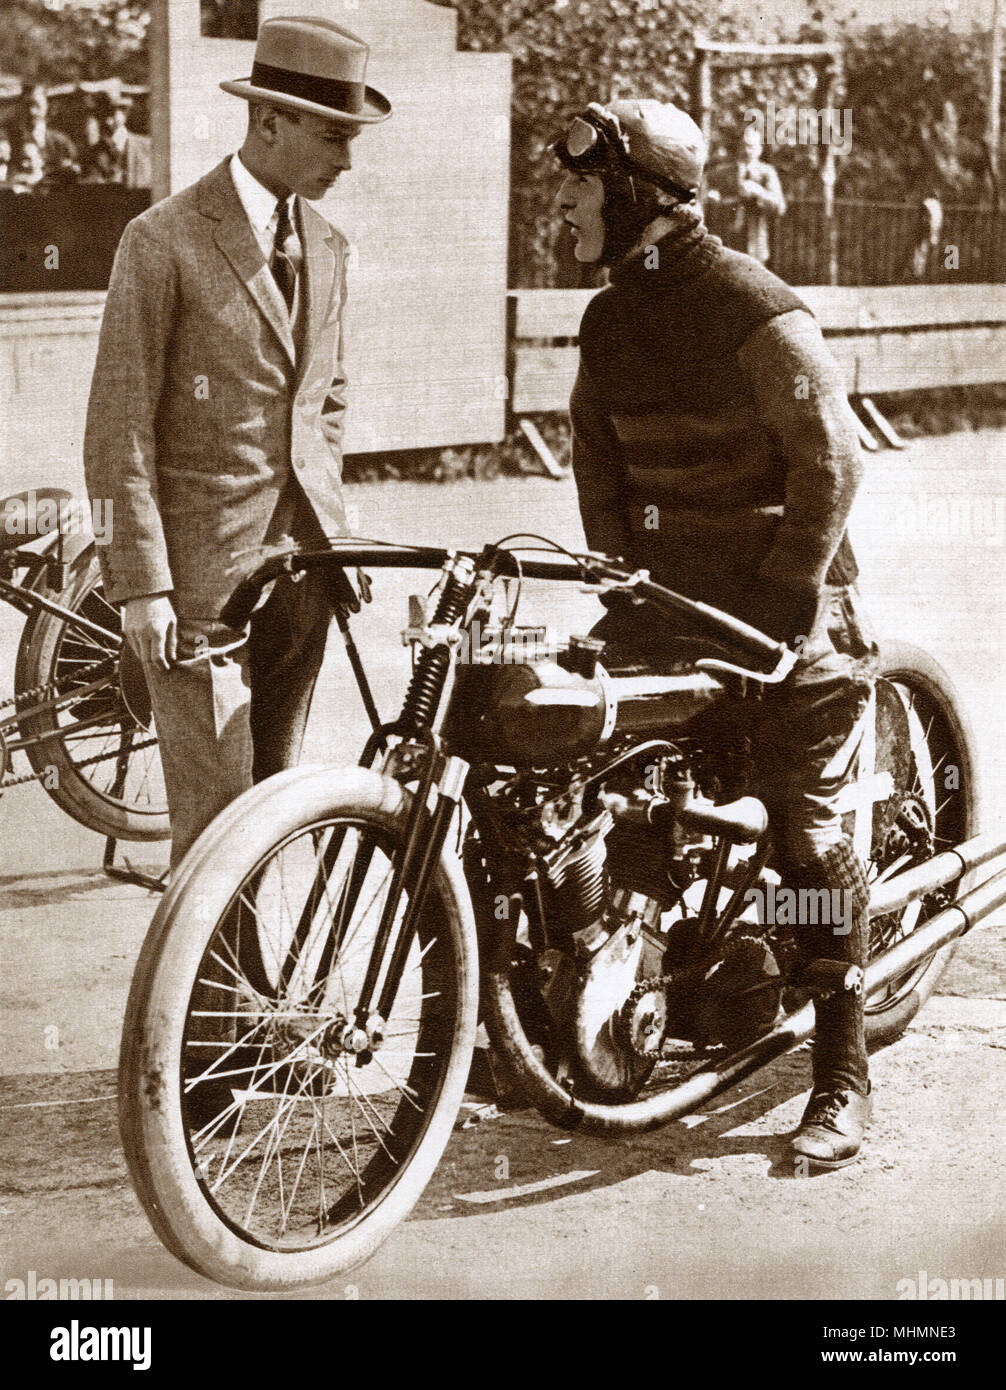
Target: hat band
(325, 91)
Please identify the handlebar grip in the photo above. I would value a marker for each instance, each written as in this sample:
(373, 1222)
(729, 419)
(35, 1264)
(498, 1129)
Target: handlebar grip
(742, 634)
(241, 604)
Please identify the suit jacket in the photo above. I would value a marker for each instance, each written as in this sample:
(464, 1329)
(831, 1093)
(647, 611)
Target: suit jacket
(205, 427)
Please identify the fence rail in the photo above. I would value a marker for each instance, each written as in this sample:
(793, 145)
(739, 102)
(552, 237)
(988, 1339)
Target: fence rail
(895, 338)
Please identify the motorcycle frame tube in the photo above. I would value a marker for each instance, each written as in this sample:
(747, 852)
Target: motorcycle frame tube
(570, 1112)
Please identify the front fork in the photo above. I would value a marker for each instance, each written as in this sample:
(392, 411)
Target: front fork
(441, 782)
(440, 777)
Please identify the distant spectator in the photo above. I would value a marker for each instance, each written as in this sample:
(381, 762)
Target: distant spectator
(129, 151)
(6, 157)
(925, 256)
(96, 158)
(30, 174)
(57, 152)
(749, 191)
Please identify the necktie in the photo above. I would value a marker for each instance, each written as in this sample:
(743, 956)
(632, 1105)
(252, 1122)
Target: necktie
(281, 265)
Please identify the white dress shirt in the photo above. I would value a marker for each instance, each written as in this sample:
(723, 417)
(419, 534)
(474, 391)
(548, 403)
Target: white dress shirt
(261, 208)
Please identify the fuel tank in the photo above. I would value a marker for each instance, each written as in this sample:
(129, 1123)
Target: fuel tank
(539, 714)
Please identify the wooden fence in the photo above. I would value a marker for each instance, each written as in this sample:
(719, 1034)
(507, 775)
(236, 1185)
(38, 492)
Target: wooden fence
(896, 338)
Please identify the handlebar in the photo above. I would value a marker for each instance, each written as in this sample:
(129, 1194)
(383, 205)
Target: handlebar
(370, 555)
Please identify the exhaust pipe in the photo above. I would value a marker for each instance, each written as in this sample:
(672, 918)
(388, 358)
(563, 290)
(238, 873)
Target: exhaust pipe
(896, 893)
(572, 1112)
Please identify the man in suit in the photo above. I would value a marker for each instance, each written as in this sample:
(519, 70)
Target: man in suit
(215, 420)
(129, 151)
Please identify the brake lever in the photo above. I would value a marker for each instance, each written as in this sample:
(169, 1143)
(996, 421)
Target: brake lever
(713, 667)
(606, 578)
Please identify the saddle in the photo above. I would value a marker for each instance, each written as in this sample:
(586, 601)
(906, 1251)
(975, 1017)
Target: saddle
(28, 516)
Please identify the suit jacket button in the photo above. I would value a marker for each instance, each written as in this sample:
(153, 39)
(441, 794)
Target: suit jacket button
(298, 462)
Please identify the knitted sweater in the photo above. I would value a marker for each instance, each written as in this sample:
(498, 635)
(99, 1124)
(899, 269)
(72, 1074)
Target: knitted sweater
(712, 439)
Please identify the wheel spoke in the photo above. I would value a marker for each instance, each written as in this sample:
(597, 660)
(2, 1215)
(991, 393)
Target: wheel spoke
(309, 1136)
(81, 725)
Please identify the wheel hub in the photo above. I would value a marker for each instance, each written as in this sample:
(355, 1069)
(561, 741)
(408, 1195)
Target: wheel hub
(911, 832)
(343, 1038)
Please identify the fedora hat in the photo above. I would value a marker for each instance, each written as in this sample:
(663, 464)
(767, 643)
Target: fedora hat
(307, 64)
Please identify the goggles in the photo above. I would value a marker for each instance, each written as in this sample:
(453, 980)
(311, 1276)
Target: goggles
(596, 144)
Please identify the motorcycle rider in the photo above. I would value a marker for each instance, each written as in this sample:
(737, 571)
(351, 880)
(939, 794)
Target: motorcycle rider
(713, 444)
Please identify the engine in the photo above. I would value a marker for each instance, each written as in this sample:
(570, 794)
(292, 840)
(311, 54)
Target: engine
(609, 858)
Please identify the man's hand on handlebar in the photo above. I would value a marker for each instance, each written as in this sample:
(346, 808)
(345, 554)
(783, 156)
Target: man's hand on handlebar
(150, 627)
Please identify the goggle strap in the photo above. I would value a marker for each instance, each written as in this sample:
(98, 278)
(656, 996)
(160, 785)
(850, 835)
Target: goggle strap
(609, 131)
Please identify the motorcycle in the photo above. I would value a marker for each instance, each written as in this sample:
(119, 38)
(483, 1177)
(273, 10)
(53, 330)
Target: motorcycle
(301, 1023)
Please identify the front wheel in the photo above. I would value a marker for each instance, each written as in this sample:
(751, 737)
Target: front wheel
(272, 1145)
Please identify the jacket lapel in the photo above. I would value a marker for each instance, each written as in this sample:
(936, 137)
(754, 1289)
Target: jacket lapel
(235, 238)
(321, 249)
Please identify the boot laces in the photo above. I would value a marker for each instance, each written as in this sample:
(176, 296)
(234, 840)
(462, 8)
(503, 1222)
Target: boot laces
(826, 1106)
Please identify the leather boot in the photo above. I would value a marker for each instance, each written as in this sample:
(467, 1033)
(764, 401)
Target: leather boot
(831, 1131)
(832, 1128)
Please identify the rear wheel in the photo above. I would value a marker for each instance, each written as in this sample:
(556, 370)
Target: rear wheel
(272, 1141)
(93, 747)
(923, 746)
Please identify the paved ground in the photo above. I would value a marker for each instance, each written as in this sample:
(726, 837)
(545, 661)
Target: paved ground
(701, 1208)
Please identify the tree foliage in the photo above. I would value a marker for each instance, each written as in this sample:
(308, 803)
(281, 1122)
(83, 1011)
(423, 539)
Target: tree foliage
(917, 94)
(57, 42)
(919, 97)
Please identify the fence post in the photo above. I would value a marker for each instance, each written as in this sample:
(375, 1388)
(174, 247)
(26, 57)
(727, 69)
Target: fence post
(828, 80)
(702, 88)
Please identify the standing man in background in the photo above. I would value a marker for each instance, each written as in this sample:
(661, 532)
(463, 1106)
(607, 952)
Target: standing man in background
(215, 421)
(749, 191)
(129, 152)
(56, 152)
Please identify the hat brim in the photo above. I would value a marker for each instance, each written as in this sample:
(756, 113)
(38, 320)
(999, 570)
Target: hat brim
(376, 106)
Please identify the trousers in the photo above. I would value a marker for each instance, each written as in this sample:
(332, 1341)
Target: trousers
(805, 736)
(226, 720)
(805, 733)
